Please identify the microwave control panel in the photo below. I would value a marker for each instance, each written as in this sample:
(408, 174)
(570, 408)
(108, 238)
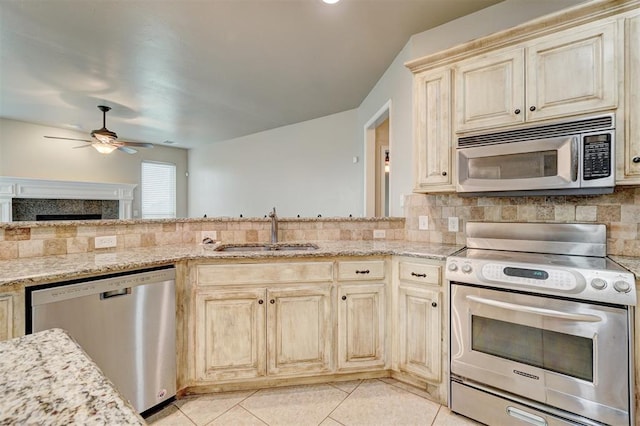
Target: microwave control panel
(596, 156)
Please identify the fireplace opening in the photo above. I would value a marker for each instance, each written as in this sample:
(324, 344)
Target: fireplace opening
(68, 216)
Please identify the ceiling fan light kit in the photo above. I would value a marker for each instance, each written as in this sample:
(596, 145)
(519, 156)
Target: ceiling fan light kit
(105, 141)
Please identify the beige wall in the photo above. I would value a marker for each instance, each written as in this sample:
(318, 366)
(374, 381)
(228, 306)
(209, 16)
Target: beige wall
(619, 211)
(24, 152)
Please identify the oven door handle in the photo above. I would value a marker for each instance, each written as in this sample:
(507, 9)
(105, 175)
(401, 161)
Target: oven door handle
(534, 310)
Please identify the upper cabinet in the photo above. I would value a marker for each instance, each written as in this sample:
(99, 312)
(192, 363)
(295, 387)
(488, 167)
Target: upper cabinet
(567, 73)
(433, 139)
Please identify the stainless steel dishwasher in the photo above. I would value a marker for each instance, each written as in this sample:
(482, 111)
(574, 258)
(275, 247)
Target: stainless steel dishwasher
(126, 324)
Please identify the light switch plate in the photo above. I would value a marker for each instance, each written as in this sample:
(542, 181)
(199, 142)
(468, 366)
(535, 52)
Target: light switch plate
(453, 224)
(107, 241)
(423, 223)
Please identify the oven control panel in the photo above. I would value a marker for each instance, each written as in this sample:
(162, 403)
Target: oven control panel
(609, 286)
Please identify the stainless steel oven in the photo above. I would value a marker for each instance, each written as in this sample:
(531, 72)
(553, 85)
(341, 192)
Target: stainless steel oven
(540, 338)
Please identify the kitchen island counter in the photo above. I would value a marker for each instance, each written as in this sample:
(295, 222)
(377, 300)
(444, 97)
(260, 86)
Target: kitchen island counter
(46, 378)
(37, 270)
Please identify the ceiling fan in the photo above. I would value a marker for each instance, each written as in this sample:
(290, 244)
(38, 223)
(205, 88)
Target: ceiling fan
(105, 141)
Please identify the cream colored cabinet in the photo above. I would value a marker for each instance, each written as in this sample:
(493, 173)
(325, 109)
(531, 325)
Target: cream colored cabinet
(6, 317)
(628, 163)
(420, 318)
(361, 314)
(564, 74)
(278, 326)
(361, 326)
(434, 167)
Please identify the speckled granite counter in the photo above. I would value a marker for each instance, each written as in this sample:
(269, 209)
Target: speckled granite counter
(631, 263)
(55, 268)
(45, 378)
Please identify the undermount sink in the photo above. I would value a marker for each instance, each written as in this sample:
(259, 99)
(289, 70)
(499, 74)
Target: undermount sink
(267, 247)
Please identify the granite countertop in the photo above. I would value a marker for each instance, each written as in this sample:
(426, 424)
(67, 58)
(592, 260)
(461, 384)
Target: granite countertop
(27, 271)
(46, 378)
(630, 263)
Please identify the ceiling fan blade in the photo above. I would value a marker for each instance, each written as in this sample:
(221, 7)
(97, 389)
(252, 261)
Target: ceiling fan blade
(127, 150)
(138, 144)
(68, 139)
(82, 146)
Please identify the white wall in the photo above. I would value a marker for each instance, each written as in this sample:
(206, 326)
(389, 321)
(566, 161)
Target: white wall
(304, 169)
(396, 83)
(24, 152)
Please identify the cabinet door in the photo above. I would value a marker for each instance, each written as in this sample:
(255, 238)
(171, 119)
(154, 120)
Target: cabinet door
(419, 311)
(299, 330)
(433, 144)
(361, 326)
(6, 317)
(630, 172)
(230, 334)
(490, 91)
(572, 72)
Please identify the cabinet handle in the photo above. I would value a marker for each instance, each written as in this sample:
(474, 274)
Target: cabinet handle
(444, 173)
(636, 159)
(366, 271)
(516, 112)
(344, 297)
(260, 302)
(434, 304)
(413, 274)
(272, 301)
(532, 108)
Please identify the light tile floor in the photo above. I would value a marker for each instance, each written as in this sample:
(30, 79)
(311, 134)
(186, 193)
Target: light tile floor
(359, 402)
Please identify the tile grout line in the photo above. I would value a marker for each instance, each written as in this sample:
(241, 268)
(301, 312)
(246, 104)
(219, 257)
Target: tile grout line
(341, 402)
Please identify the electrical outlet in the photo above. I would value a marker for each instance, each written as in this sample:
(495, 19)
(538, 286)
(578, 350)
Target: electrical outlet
(379, 233)
(453, 224)
(107, 241)
(210, 234)
(423, 223)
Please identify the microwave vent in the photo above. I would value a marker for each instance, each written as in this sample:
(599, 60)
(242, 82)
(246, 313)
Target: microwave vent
(539, 132)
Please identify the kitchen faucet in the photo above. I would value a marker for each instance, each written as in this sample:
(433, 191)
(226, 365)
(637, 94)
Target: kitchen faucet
(274, 226)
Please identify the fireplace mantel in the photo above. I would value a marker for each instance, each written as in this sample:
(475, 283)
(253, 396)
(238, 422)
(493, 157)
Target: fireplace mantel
(11, 187)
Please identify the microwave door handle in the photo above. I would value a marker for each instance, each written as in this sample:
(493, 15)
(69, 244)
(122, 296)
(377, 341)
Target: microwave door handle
(574, 158)
(534, 310)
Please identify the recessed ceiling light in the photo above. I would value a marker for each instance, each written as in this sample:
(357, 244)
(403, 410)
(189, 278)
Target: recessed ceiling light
(331, 1)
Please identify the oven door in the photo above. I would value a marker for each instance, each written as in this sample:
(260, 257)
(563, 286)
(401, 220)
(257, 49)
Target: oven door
(520, 166)
(567, 354)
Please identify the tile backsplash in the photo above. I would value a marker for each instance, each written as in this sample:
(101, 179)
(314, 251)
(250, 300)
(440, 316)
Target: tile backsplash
(619, 211)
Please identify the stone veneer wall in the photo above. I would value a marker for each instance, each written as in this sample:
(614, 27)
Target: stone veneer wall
(35, 239)
(619, 211)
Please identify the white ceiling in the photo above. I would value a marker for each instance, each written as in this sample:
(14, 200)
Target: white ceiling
(196, 72)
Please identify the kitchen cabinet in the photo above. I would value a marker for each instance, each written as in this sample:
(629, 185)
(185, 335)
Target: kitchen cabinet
(6, 317)
(255, 320)
(421, 322)
(628, 161)
(433, 148)
(563, 74)
(361, 315)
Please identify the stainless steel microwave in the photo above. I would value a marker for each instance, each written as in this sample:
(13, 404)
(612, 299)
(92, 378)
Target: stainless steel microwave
(575, 157)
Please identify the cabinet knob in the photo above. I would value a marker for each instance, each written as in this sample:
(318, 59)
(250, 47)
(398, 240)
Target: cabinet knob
(344, 297)
(636, 159)
(272, 301)
(444, 173)
(516, 112)
(434, 304)
(366, 271)
(413, 274)
(260, 302)
(532, 108)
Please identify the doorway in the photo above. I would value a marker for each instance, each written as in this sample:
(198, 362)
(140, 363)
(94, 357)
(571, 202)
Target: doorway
(378, 163)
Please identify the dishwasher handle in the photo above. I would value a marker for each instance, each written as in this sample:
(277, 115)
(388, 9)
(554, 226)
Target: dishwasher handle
(115, 293)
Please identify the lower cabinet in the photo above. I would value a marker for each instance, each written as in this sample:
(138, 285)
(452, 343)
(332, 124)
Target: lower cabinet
(6, 317)
(250, 332)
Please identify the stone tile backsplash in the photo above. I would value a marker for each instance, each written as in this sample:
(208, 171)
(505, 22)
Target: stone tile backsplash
(40, 239)
(619, 211)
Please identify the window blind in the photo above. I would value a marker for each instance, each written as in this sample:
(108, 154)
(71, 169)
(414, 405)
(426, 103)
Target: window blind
(158, 190)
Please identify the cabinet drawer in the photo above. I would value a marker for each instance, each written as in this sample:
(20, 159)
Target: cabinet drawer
(419, 273)
(361, 270)
(252, 273)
